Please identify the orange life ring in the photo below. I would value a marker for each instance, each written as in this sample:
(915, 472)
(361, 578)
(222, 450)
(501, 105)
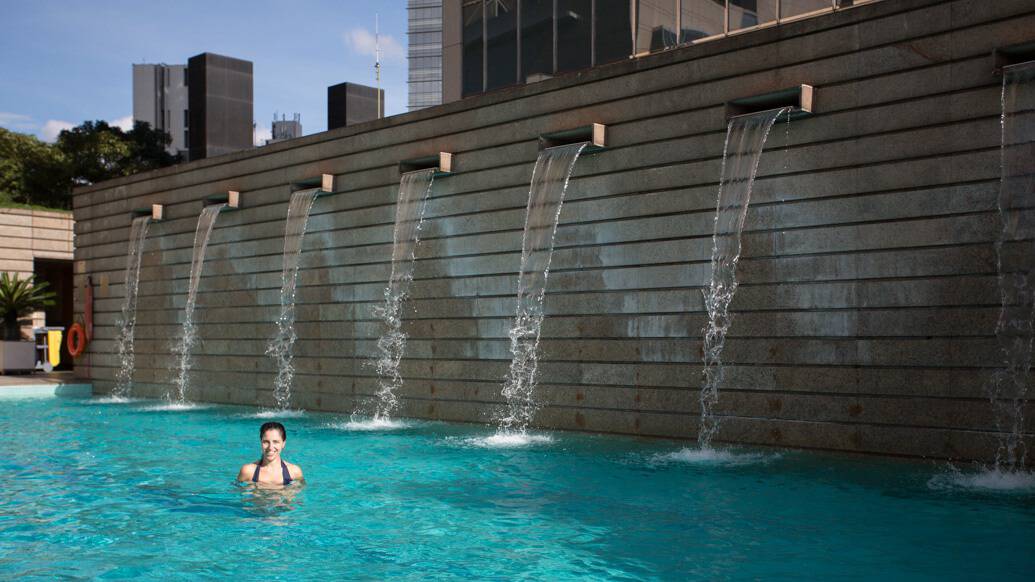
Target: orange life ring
(76, 342)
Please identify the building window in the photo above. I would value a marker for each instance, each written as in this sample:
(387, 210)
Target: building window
(508, 41)
(574, 34)
(614, 33)
(701, 18)
(655, 24)
(186, 118)
(473, 47)
(789, 8)
(536, 38)
(501, 43)
(748, 13)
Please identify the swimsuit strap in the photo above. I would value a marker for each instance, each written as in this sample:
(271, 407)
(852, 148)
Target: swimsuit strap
(283, 468)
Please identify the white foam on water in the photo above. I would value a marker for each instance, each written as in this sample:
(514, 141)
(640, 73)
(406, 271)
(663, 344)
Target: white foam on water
(275, 413)
(369, 425)
(112, 400)
(508, 440)
(174, 407)
(714, 457)
(988, 479)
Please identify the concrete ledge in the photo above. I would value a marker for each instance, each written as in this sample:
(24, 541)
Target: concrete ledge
(46, 391)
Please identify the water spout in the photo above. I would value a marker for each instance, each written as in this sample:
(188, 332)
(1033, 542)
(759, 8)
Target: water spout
(188, 334)
(1015, 329)
(414, 189)
(745, 138)
(546, 195)
(280, 348)
(127, 322)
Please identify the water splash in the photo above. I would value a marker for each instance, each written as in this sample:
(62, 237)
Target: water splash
(504, 440)
(189, 333)
(985, 479)
(414, 189)
(369, 424)
(550, 178)
(745, 138)
(714, 457)
(127, 321)
(281, 346)
(1015, 329)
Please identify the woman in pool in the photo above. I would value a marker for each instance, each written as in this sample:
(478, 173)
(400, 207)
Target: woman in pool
(271, 469)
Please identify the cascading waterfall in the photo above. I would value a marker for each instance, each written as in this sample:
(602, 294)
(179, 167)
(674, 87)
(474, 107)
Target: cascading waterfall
(281, 346)
(745, 138)
(409, 215)
(550, 177)
(1015, 329)
(128, 319)
(188, 334)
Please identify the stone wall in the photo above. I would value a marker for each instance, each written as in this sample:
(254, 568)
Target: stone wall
(27, 235)
(868, 297)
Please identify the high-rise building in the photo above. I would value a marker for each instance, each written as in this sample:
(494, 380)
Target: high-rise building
(160, 99)
(284, 128)
(351, 103)
(490, 44)
(220, 99)
(205, 105)
(425, 52)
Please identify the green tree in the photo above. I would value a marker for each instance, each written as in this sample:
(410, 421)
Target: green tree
(97, 151)
(32, 172)
(147, 149)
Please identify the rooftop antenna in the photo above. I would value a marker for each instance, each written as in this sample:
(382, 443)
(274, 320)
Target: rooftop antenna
(377, 61)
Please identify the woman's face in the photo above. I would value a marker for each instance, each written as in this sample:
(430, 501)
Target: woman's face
(272, 444)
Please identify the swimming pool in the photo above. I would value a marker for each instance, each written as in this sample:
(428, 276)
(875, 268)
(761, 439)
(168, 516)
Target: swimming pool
(119, 490)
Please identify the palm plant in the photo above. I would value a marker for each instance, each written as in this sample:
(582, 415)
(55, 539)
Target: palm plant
(18, 299)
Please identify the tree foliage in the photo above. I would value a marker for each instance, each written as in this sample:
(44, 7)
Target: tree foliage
(34, 172)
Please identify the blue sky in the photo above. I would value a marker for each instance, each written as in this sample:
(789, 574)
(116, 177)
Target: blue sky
(62, 63)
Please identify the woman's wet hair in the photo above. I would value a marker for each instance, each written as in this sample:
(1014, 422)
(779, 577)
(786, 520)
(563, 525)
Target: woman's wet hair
(273, 426)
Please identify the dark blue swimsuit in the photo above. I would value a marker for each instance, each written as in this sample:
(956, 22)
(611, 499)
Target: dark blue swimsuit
(283, 468)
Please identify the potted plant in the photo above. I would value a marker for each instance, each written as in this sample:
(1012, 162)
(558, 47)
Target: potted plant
(19, 298)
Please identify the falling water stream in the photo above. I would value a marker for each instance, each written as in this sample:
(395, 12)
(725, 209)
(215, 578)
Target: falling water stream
(745, 138)
(128, 319)
(1015, 329)
(188, 334)
(409, 215)
(280, 348)
(546, 195)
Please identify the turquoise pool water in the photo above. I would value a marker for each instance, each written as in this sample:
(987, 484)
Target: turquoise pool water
(119, 491)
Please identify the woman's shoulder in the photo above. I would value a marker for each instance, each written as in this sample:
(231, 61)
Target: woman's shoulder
(246, 472)
(295, 470)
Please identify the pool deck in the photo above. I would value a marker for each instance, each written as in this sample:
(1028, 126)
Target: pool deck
(43, 385)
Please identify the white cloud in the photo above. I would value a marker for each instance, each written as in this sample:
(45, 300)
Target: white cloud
(16, 121)
(363, 42)
(52, 128)
(262, 134)
(125, 123)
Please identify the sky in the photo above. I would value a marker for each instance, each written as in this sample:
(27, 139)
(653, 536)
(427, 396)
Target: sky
(65, 62)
